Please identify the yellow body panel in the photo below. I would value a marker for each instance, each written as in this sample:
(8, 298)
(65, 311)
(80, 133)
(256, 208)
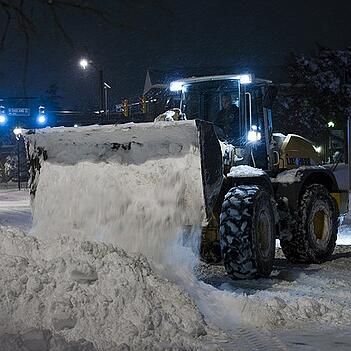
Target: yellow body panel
(342, 200)
(297, 151)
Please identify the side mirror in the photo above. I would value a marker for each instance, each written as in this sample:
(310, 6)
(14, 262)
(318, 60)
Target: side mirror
(270, 96)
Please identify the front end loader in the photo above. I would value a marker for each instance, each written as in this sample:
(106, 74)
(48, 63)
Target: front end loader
(243, 184)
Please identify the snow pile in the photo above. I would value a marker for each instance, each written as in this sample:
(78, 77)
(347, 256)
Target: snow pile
(41, 340)
(245, 171)
(93, 291)
(136, 193)
(287, 177)
(276, 309)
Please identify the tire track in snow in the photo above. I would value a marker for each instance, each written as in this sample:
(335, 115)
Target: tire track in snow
(246, 338)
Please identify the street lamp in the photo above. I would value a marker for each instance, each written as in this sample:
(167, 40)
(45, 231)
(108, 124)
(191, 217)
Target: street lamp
(106, 88)
(18, 133)
(84, 63)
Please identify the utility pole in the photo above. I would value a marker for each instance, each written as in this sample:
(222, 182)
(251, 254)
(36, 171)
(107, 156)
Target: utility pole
(18, 164)
(102, 95)
(349, 150)
(106, 87)
(18, 132)
(84, 64)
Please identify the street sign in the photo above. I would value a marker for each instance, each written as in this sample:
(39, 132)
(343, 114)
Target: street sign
(19, 111)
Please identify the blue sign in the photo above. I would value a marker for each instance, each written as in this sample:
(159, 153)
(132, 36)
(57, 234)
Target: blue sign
(19, 111)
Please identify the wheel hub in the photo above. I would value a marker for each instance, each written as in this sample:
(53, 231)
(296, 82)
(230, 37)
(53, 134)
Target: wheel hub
(320, 225)
(263, 232)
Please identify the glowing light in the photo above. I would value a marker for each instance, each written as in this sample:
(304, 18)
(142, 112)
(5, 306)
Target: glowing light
(331, 124)
(84, 63)
(318, 149)
(176, 86)
(245, 79)
(2, 119)
(41, 119)
(17, 131)
(254, 135)
(75, 126)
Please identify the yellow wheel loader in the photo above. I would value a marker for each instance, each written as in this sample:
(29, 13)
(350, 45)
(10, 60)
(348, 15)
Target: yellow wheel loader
(243, 184)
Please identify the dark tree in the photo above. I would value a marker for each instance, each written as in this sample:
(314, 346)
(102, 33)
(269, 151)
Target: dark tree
(20, 17)
(52, 99)
(319, 91)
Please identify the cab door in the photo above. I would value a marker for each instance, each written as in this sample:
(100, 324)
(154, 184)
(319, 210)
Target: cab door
(252, 119)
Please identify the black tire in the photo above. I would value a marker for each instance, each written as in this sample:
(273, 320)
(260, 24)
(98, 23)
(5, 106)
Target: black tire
(313, 238)
(247, 232)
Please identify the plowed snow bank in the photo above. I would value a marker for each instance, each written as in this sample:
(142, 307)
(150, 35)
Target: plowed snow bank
(93, 291)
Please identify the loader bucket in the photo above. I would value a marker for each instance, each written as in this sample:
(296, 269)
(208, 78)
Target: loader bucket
(110, 179)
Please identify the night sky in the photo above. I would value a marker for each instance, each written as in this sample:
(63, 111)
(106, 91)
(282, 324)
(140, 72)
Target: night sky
(178, 34)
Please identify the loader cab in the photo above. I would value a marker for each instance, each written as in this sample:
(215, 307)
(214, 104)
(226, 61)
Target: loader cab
(235, 104)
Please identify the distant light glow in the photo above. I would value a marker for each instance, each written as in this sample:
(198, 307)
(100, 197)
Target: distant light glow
(318, 149)
(42, 119)
(75, 126)
(84, 63)
(17, 131)
(2, 119)
(176, 86)
(331, 124)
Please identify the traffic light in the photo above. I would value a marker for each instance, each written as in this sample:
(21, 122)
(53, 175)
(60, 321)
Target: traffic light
(125, 108)
(41, 119)
(143, 105)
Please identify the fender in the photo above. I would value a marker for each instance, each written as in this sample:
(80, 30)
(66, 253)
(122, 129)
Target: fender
(291, 184)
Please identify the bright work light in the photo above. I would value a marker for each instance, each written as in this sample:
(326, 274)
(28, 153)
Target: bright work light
(254, 135)
(2, 119)
(245, 79)
(176, 86)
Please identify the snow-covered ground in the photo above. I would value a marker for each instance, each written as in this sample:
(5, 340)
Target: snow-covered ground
(299, 308)
(15, 209)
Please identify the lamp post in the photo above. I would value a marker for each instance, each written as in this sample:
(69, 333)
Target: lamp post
(106, 88)
(18, 133)
(103, 86)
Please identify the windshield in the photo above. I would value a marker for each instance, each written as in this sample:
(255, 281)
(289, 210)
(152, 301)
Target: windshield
(216, 102)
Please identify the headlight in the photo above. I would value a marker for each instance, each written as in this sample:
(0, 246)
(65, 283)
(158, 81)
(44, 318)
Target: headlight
(254, 134)
(245, 79)
(176, 86)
